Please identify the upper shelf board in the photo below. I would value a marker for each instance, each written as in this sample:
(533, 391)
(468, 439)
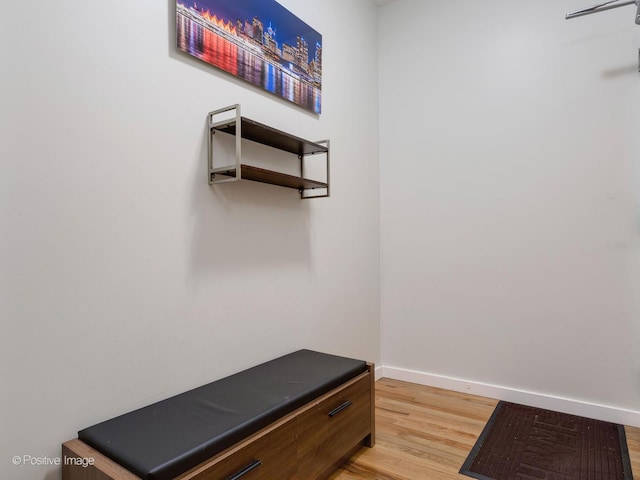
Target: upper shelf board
(266, 135)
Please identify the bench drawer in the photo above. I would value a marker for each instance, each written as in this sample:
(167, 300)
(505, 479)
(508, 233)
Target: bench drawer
(270, 456)
(333, 427)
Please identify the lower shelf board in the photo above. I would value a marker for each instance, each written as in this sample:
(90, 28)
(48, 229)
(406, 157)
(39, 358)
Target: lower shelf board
(256, 174)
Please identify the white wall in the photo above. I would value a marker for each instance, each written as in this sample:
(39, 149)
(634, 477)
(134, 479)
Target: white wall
(125, 278)
(510, 210)
(510, 195)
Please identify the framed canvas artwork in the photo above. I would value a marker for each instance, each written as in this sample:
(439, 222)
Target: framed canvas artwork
(259, 41)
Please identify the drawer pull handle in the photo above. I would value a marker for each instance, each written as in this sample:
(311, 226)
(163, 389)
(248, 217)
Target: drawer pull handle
(337, 410)
(252, 466)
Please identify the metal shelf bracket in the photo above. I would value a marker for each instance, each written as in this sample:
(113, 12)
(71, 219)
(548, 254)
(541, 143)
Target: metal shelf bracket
(304, 193)
(213, 121)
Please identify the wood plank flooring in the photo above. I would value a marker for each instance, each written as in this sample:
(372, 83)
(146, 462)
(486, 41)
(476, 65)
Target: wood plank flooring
(425, 433)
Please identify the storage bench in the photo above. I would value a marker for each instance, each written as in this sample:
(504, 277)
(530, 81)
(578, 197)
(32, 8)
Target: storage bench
(295, 417)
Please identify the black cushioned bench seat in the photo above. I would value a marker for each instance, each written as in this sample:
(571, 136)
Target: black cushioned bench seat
(166, 439)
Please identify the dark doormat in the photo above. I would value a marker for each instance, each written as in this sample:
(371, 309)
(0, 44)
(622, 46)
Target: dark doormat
(526, 443)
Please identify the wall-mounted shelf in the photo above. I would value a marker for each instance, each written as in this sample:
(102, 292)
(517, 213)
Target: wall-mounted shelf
(244, 128)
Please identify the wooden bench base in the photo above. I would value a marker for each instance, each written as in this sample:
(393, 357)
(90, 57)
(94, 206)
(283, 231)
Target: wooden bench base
(307, 444)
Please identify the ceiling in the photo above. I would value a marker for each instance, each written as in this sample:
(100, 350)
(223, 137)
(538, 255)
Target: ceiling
(382, 2)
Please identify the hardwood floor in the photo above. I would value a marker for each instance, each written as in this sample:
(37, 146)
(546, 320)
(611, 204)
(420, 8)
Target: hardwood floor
(425, 433)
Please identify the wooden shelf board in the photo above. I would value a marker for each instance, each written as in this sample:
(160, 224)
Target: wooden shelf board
(266, 135)
(256, 174)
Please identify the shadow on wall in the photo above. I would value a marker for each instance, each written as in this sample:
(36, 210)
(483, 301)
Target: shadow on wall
(622, 71)
(247, 225)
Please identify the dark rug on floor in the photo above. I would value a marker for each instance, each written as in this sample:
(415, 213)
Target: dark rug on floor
(526, 443)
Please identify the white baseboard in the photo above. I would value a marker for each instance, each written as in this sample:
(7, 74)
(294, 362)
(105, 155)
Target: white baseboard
(539, 400)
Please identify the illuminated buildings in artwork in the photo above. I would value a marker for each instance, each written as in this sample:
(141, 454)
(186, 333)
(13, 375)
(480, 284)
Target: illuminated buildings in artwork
(248, 29)
(289, 53)
(258, 29)
(269, 41)
(317, 64)
(302, 56)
